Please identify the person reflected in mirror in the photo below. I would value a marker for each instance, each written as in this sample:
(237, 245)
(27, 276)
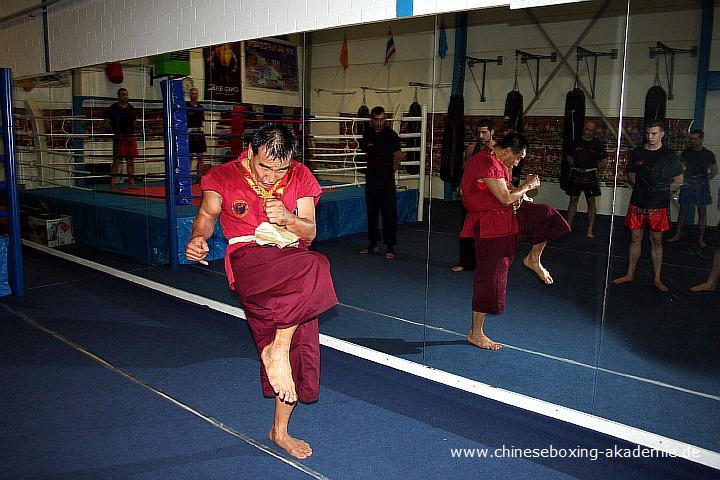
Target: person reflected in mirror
(120, 120)
(383, 156)
(484, 131)
(586, 158)
(712, 279)
(499, 217)
(197, 146)
(266, 201)
(654, 173)
(700, 167)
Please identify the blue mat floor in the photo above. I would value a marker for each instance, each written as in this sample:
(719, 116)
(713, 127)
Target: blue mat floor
(65, 416)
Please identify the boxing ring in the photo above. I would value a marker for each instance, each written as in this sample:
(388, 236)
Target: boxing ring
(152, 222)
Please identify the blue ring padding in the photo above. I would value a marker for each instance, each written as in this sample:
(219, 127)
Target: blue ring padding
(404, 8)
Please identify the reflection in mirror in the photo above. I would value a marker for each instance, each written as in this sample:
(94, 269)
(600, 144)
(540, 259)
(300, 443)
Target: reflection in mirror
(515, 299)
(659, 346)
(368, 93)
(86, 195)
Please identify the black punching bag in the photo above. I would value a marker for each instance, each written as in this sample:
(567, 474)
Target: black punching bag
(655, 104)
(572, 130)
(413, 127)
(363, 112)
(514, 111)
(453, 146)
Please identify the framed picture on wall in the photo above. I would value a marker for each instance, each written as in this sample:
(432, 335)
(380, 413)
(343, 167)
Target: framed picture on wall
(222, 72)
(271, 65)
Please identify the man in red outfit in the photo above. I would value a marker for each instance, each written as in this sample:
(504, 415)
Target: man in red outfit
(266, 205)
(498, 220)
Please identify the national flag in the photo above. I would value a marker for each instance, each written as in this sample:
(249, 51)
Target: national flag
(443, 45)
(390, 49)
(344, 55)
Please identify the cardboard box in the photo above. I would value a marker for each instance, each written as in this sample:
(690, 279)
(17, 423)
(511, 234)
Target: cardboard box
(51, 230)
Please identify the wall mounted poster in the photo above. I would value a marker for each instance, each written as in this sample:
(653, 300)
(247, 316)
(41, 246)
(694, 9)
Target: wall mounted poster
(271, 65)
(222, 72)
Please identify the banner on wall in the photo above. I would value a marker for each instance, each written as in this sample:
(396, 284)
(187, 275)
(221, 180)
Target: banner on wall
(271, 65)
(222, 72)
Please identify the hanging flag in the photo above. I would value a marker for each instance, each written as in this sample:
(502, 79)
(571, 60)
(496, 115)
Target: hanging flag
(390, 49)
(443, 45)
(344, 55)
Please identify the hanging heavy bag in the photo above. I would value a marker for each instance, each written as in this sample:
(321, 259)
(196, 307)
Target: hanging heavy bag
(453, 146)
(363, 112)
(413, 127)
(514, 111)
(655, 104)
(572, 130)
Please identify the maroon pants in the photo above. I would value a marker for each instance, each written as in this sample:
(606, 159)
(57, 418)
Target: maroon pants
(279, 289)
(538, 223)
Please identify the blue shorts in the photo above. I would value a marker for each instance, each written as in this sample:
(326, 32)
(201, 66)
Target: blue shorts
(695, 191)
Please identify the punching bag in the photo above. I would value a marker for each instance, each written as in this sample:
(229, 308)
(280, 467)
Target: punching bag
(453, 146)
(514, 111)
(413, 127)
(363, 112)
(572, 130)
(655, 104)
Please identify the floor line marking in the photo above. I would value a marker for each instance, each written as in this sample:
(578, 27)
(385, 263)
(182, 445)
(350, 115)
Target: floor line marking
(139, 381)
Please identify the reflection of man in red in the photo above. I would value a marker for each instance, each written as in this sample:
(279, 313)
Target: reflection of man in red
(266, 205)
(498, 220)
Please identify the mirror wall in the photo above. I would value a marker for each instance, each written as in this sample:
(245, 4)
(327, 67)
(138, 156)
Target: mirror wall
(624, 352)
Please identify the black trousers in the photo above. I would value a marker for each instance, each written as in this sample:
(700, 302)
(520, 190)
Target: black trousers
(381, 201)
(467, 247)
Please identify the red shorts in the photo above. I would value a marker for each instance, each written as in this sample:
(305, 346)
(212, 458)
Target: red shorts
(125, 147)
(656, 218)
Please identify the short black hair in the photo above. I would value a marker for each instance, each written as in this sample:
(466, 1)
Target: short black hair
(514, 141)
(487, 123)
(655, 123)
(278, 139)
(121, 89)
(377, 111)
(698, 131)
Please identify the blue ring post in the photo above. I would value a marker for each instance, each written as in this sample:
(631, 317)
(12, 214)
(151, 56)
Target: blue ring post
(178, 185)
(15, 262)
(170, 156)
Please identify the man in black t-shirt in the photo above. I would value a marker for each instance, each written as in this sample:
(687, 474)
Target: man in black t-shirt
(654, 172)
(700, 167)
(585, 159)
(196, 134)
(120, 119)
(383, 156)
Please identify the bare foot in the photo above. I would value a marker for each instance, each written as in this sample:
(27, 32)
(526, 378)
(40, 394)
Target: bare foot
(703, 287)
(624, 279)
(389, 255)
(673, 239)
(539, 269)
(702, 243)
(457, 268)
(277, 367)
(294, 446)
(369, 249)
(661, 286)
(483, 341)
(590, 234)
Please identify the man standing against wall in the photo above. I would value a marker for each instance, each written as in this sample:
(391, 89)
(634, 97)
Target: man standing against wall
(383, 156)
(700, 167)
(586, 158)
(120, 119)
(654, 173)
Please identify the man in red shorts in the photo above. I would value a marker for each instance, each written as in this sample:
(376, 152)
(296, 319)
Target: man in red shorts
(654, 173)
(266, 204)
(120, 120)
(498, 219)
